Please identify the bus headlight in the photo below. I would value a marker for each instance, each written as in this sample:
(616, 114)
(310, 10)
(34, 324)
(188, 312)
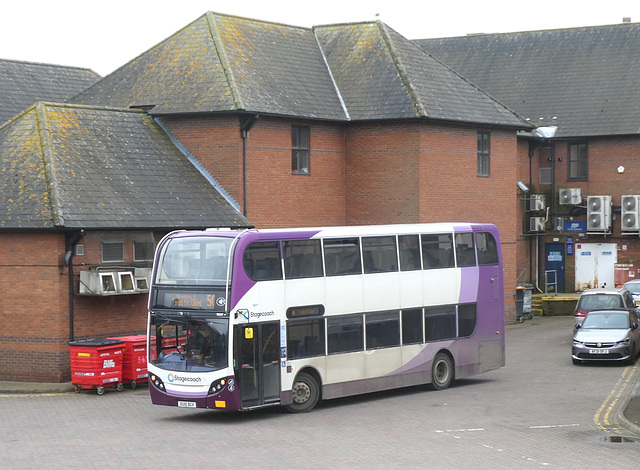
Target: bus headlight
(157, 381)
(217, 386)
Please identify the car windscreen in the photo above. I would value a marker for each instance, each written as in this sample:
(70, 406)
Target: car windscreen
(633, 287)
(600, 301)
(606, 321)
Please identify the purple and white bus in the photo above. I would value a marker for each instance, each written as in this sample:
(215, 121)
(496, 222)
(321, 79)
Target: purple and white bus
(246, 319)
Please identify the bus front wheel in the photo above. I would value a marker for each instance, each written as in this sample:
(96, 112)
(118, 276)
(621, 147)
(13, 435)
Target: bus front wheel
(441, 371)
(305, 393)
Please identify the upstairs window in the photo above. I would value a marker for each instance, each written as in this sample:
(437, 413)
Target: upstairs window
(578, 169)
(300, 150)
(483, 154)
(112, 250)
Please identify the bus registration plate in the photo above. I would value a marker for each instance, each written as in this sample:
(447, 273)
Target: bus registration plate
(598, 351)
(187, 404)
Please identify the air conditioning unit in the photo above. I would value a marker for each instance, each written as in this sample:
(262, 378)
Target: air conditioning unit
(98, 283)
(599, 214)
(536, 224)
(142, 279)
(570, 196)
(537, 202)
(116, 282)
(630, 213)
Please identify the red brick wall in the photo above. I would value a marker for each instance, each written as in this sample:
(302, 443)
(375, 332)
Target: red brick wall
(34, 306)
(605, 155)
(382, 176)
(275, 196)
(414, 172)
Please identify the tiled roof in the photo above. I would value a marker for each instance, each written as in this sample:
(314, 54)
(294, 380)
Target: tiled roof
(24, 83)
(587, 78)
(382, 75)
(359, 71)
(70, 166)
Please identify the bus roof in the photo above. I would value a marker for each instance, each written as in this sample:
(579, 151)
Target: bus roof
(345, 231)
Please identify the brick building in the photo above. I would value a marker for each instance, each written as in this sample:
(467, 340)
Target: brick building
(85, 193)
(582, 84)
(331, 125)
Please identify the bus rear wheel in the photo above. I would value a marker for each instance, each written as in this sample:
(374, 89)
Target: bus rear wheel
(441, 371)
(305, 393)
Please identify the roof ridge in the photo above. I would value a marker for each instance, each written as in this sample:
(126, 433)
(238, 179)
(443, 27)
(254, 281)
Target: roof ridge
(47, 160)
(257, 20)
(471, 84)
(404, 74)
(46, 64)
(224, 61)
(513, 33)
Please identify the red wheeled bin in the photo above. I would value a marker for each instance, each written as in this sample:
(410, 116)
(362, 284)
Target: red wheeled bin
(96, 363)
(134, 362)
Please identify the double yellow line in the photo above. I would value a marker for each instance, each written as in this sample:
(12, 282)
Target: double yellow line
(605, 417)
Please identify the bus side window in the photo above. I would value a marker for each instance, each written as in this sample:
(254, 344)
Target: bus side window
(261, 261)
(379, 254)
(345, 333)
(342, 256)
(409, 247)
(467, 319)
(305, 338)
(302, 258)
(439, 323)
(487, 249)
(383, 329)
(465, 252)
(437, 251)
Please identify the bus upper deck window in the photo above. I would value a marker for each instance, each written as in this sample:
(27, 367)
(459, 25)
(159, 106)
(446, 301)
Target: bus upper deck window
(487, 249)
(465, 253)
(261, 261)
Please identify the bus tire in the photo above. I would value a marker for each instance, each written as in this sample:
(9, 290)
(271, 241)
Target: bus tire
(441, 371)
(304, 393)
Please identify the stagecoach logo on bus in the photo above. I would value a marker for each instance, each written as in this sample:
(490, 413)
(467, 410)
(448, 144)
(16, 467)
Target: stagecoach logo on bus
(181, 378)
(246, 314)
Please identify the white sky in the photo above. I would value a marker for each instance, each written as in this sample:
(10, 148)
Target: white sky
(105, 35)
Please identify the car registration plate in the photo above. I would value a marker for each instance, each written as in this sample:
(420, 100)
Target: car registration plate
(598, 351)
(186, 404)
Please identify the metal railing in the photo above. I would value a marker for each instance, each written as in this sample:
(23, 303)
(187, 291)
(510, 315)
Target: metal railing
(551, 282)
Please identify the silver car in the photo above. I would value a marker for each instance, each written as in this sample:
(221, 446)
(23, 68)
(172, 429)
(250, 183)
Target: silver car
(634, 288)
(607, 335)
(602, 299)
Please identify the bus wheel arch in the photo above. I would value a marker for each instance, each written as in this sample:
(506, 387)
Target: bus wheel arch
(442, 370)
(306, 391)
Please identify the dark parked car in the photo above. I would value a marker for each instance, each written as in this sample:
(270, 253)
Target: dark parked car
(607, 335)
(597, 299)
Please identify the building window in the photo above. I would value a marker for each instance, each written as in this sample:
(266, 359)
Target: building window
(300, 150)
(483, 154)
(578, 169)
(143, 246)
(112, 251)
(142, 250)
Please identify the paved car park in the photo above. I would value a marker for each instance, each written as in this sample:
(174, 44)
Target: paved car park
(540, 410)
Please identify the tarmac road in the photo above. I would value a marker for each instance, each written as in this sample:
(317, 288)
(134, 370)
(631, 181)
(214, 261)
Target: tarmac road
(538, 411)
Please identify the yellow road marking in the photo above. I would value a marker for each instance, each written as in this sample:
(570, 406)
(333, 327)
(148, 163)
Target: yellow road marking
(603, 417)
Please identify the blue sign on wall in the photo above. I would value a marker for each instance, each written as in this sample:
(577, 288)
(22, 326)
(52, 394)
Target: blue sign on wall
(569, 246)
(574, 226)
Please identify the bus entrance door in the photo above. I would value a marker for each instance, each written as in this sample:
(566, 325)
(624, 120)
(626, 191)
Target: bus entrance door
(258, 363)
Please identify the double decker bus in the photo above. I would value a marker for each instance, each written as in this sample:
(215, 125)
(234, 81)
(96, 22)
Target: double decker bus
(246, 319)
